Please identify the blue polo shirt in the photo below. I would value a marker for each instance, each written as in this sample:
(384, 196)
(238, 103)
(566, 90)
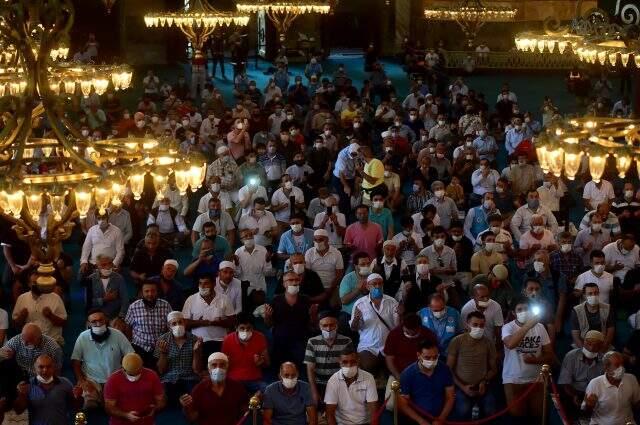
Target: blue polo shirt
(427, 392)
(445, 328)
(288, 409)
(289, 245)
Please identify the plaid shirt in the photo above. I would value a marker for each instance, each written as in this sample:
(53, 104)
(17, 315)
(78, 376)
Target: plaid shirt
(147, 324)
(180, 359)
(228, 171)
(26, 357)
(569, 264)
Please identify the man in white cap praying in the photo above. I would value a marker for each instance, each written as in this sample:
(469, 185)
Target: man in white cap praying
(227, 170)
(327, 262)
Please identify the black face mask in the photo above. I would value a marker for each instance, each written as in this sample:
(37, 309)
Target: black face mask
(100, 338)
(35, 290)
(148, 303)
(211, 237)
(299, 163)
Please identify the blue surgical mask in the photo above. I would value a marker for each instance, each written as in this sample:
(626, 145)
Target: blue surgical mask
(376, 293)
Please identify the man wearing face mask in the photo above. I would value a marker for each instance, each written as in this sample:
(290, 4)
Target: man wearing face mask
(442, 259)
(597, 275)
(579, 367)
(91, 366)
(226, 169)
(392, 268)
(49, 398)
(322, 355)
(351, 396)
(485, 145)
(101, 238)
(297, 239)
(490, 309)
(28, 345)
(290, 316)
(429, 385)
(527, 347)
(332, 221)
(281, 201)
(476, 219)
(596, 193)
(253, 261)
(134, 393)
(534, 239)
(446, 207)
(147, 318)
(214, 213)
(44, 309)
(514, 136)
(442, 320)
(108, 290)
(354, 286)
(488, 256)
(621, 256)
(441, 130)
(170, 222)
(592, 315)
(218, 399)
(179, 358)
(566, 260)
(178, 202)
(326, 264)
(247, 349)
(289, 400)
(364, 235)
(611, 398)
(472, 359)
(373, 317)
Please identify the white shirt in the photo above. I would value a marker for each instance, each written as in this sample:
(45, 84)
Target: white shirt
(179, 202)
(252, 266)
(527, 240)
(614, 405)
(244, 193)
(165, 223)
(597, 196)
(326, 266)
(224, 223)
(196, 308)
(521, 220)
(408, 255)
(629, 260)
(373, 333)
(233, 291)
(109, 242)
(351, 401)
(388, 267)
(515, 370)
(334, 238)
(281, 198)
(604, 282)
(263, 224)
(492, 314)
(550, 196)
(4, 323)
(35, 305)
(225, 201)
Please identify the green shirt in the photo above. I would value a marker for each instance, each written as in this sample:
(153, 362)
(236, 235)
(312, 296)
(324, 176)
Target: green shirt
(221, 247)
(383, 218)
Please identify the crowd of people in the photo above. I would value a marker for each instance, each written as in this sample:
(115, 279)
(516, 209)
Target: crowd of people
(345, 238)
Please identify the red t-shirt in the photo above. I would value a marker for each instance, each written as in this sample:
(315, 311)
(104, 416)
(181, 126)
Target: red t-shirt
(219, 410)
(133, 396)
(404, 349)
(242, 367)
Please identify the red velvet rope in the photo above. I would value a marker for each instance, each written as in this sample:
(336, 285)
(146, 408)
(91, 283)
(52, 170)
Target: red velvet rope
(557, 403)
(483, 420)
(380, 410)
(241, 421)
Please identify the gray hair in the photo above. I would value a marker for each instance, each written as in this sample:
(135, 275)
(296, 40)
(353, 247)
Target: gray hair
(606, 359)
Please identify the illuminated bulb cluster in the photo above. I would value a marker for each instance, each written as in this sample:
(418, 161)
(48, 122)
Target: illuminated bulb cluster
(205, 19)
(471, 13)
(294, 7)
(68, 79)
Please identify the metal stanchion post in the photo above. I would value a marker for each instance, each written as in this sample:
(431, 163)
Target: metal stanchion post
(395, 388)
(545, 371)
(80, 419)
(254, 405)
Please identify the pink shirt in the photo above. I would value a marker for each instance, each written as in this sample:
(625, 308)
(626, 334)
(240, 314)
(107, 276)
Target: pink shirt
(237, 144)
(133, 396)
(527, 240)
(364, 238)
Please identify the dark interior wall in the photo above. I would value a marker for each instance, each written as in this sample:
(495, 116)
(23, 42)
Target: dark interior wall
(91, 17)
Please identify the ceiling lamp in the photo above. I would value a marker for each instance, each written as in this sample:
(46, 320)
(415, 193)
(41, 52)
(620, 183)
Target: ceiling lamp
(197, 22)
(470, 15)
(62, 174)
(562, 145)
(593, 38)
(109, 5)
(283, 13)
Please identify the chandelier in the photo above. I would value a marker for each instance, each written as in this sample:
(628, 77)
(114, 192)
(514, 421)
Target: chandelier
(283, 13)
(566, 145)
(470, 15)
(47, 182)
(197, 22)
(591, 37)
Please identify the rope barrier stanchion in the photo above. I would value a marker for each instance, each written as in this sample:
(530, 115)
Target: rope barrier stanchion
(488, 419)
(254, 406)
(80, 419)
(395, 388)
(545, 371)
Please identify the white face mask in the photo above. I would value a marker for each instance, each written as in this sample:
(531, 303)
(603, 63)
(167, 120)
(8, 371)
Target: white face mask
(538, 229)
(538, 266)
(428, 364)
(293, 289)
(499, 189)
(99, 330)
(215, 187)
(204, 291)
(628, 193)
(476, 333)
(185, 123)
(133, 378)
(489, 246)
(249, 243)
(565, 248)
(289, 383)
(456, 238)
(618, 373)
(593, 299)
(422, 269)
(84, 133)
(598, 268)
(439, 193)
(178, 331)
(596, 227)
(244, 335)
(288, 185)
(438, 243)
(496, 230)
(522, 317)
(163, 207)
(43, 380)
(589, 354)
(140, 124)
(298, 268)
(106, 272)
(364, 270)
(349, 371)
(439, 314)
(378, 204)
(296, 227)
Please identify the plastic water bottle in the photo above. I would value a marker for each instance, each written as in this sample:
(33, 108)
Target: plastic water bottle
(475, 412)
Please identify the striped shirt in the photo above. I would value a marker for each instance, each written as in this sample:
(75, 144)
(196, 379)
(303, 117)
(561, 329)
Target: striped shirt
(326, 358)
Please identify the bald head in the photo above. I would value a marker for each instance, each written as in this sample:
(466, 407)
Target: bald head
(31, 334)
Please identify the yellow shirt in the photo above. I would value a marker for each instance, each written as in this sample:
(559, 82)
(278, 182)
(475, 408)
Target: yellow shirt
(373, 168)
